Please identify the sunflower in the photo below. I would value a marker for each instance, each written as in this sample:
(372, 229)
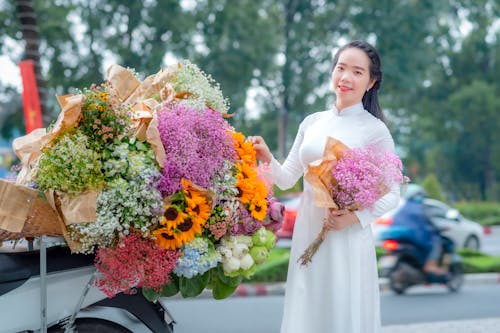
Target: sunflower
(172, 216)
(167, 239)
(246, 190)
(258, 209)
(188, 229)
(245, 171)
(260, 190)
(200, 211)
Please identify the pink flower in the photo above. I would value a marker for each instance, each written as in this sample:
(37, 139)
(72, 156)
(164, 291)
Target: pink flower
(134, 262)
(363, 175)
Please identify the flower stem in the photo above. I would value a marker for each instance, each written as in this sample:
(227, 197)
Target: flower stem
(306, 257)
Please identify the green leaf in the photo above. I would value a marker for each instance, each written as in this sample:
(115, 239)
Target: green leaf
(150, 294)
(194, 286)
(230, 281)
(141, 146)
(220, 289)
(171, 289)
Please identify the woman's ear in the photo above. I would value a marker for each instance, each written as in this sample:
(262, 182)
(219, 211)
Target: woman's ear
(371, 84)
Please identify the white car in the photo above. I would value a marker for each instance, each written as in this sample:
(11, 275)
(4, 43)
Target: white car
(463, 232)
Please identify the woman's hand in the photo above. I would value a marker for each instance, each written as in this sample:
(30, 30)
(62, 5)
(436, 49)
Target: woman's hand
(263, 153)
(340, 219)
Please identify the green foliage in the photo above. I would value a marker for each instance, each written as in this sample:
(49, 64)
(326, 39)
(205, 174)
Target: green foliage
(432, 187)
(274, 269)
(192, 287)
(485, 213)
(476, 262)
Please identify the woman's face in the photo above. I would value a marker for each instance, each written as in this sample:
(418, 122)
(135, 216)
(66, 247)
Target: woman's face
(351, 77)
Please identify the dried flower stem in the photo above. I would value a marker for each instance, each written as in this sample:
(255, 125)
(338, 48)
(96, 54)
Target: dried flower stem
(306, 257)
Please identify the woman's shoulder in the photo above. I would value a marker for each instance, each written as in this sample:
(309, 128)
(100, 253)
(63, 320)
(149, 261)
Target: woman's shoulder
(377, 126)
(314, 117)
(378, 132)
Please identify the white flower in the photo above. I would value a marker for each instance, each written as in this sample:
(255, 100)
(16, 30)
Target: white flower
(246, 261)
(231, 264)
(239, 250)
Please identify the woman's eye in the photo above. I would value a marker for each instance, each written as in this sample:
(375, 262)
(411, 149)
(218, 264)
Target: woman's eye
(358, 73)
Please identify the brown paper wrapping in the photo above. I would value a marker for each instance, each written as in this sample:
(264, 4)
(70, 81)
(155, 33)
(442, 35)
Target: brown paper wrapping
(26, 212)
(22, 208)
(27, 149)
(79, 209)
(319, 173)
(68, 118)
(16, 202)
(123, 81)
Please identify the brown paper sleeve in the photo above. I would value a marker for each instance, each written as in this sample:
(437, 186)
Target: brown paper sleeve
(27, 149)
(16, 202)
(79, 209)
(68, 118)
(319, 173)
(122, 81)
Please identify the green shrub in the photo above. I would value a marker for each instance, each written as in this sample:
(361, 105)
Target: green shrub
(432, 187)
(485, 213)
(477, 262)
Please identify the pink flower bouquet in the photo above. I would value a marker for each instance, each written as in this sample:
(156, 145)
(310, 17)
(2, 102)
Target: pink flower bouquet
(352, 179)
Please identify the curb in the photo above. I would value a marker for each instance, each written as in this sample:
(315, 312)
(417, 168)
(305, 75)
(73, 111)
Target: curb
(278, 288)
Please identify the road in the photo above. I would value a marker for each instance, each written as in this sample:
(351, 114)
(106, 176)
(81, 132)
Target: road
(262, 314)
(491, 242)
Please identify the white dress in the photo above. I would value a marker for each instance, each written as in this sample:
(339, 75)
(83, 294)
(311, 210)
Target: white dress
(338, 291)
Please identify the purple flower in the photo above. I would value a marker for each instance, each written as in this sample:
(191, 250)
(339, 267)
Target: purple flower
(244, 223)
(196, 144)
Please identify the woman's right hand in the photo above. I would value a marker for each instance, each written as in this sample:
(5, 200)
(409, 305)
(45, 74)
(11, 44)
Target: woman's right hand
(263, 153)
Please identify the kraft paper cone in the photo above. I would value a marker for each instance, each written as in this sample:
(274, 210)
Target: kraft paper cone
(16, 202)
(319, 173)
(68, 118)
(153, 137)
(28, 148)
(122, 81)
(79, 209)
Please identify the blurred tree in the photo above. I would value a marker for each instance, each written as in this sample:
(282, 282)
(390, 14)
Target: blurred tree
(432, 187)
(458, 106)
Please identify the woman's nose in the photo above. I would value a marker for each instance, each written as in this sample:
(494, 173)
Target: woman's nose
(346, 76)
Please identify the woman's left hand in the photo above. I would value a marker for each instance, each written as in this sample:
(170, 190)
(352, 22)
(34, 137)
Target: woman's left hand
(340, 219)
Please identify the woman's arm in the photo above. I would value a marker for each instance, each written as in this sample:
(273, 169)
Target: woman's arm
(287, 174)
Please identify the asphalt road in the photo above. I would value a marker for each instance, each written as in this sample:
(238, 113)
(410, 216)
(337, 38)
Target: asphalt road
(262, 314)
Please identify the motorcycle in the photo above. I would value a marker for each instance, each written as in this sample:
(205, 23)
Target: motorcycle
(404, 261)
(52, 290)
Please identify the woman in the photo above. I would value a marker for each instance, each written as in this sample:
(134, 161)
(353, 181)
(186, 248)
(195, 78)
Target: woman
(338, 291)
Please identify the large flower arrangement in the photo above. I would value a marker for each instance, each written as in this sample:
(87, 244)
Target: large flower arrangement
(180, 202)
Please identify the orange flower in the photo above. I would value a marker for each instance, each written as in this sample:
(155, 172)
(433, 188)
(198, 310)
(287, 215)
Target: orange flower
(245, 171)
(172, 216)
(246, 189)
(244, 149)
(167, 239)
(258, 209)
(260, 190)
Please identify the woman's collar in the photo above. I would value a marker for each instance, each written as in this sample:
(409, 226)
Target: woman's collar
(352, 110)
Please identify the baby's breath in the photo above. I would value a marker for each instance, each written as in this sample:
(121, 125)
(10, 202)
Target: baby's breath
(204, 90)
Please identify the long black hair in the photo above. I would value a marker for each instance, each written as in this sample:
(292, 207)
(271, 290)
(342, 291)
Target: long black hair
(370, 98)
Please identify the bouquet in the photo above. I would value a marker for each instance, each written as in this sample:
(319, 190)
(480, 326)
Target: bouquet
(150, 177)
(352, 179)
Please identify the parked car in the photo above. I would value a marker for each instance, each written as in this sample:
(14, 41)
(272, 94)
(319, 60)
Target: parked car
(463, 232)
(291, 202)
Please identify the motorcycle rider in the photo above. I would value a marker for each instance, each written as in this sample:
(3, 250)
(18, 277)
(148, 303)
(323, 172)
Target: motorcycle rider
(413, 215)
